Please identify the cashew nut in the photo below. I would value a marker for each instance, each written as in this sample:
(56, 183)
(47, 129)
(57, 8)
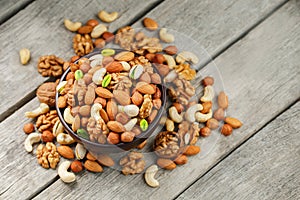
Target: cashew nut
(191, 111)
(174, 115)
(166, 37)
(131, 110)
(42, 109)
(126, 66)
(63, 138)
(186, 56)
(95, 111)
(57, 128)
(30, 140)
(98, 76)
(98, 30)
(80, 151)
(72, 26)
(107, 17)
(96, 60)
(149, 176)
(169, 125)
(68, 117)
(129, 125)
(200, 117)
(170, 61)
(208, 94)
(63, 173)
(171, 76)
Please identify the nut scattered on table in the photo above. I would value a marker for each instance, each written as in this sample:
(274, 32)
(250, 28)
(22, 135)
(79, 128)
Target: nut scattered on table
(24, 56)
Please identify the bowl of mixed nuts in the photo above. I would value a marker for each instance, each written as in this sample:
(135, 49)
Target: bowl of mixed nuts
(110, 100)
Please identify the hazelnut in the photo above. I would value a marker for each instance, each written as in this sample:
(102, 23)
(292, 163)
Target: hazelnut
(88, 78)
(171, 50)
(150, 56)
(159, 58)
(219, 114)
(47, 136)
(85, 67)
(208, 81)
(76, 166)
(108, 36)
(100, 100)
(74, 58)
(70, 76)
(127, 136)
(157, 94)
(113, 138)
(28, 128)
(212, 123)
(99, 43)
(226, 130)
(205, 131)
(179, 107)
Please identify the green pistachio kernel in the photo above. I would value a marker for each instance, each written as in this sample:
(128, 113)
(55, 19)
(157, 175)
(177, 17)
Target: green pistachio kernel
(106, 80)
(82, 133)
(144, 124)
(78, 74)
(108, 52)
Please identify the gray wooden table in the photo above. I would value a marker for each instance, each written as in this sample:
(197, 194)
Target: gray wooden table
(254, 43)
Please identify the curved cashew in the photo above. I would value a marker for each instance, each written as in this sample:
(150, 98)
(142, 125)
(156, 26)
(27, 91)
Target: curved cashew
(187, 56)
(170, 61)
(68, 117)
(98, 30)
(191, 111)
(200, 117)
(126, 66)
(72, 26)
(149, 176)
(174, 115)
(42, 109)
(131, 110)
(57, 128)
(171, 76)
(95, 111)
(166, 37)
(129, 125)
(63, 173)
(108, 17)
(208, 94)
(63, 138)
(80, 151)
(98, 76)
(30, 140)
(169, 125)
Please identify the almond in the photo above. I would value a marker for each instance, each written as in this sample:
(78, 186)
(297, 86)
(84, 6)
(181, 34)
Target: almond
(145, 77)
(163, 69)
(226, 130)
(145, 88)
(115, 126)
(100, 100)
(171, 50)
(90, 156)
(104, 93)
(124, 56)
(181, 160)
(122, 97)
(65, 151)
(137, 98)
(233, 122)
(114, 67)
(156, 103)
(93, 166)
(111, 109)
(223, 100)
(85, 110)
(166, 163)
(150, 24)
(105, 160)
(191, 150)
(76, 166)
(104, 115)
(155, 78)
(85, 29)
(122, 117)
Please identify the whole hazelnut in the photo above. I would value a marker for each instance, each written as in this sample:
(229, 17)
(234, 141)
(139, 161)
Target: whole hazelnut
(28, 128)
(113, 138)
(99, 43)
(212, 123)
(208, 81)
(108, 36)
(205, 131)
(74, 58)
(85, 67)
(127, 136)
(47, 136)
(226, 130)
(159, 58)
(219, 114)
(76, 166)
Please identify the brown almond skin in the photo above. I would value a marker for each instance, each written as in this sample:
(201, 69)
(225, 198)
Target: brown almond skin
(127, 136)
(65, 151)
(122, 117)
(205, 132)
(163, 69)
(226, 130)
(85, 29)
(115, 126)
(157, 103)
(93, 166)
(92, 22)
(108, 36)
(219, 114)
(145, 77)
(223, 100)
(150, 24)
(90, 156)
(104, 93)
(99, 43)
(62, 102)
(150, 56)
(191, 150)
(105, 160)
(152, 116)
(76, 166)
(100, 100)
(28, 128)
(208, 81)
(159, 58)
(181, 160)
(122, 97)
(104, 115)
(137, 98)
(212, 123)
(142, 145)
(145, 88)
(85, 110)
(171, 50)
(111, 109)
(113, 138)
(166, 164)
(233, 122)
(124, 56)
(114, 67)
(155, 78)
(206, 107)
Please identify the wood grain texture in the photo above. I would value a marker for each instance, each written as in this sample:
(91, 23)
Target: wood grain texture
(262, 76)
(266, 167)
(9, 8)
(40, 28)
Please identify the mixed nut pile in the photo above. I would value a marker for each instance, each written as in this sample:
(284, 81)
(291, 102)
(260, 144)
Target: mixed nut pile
(114, 95)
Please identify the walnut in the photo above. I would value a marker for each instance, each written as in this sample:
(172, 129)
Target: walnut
(50, 66)
(182, 91)
(184, 71)
(132, 163)
(125, 37)
(120, 81)
(168, 144)
(80, 89)
(146, 107)
(46, 121)
(151, 44)
(47, 155)
(46, 93)
(67, 87)
(141, 60)
(192, 130)
(98, 130)
(82, 44)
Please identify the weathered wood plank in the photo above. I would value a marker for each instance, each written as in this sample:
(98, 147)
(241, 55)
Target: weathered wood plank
(40, 28)
(262, 76)
(9, 8)
(266, 167)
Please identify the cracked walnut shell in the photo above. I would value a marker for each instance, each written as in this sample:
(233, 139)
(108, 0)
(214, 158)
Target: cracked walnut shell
(82, 44)
(50, 65)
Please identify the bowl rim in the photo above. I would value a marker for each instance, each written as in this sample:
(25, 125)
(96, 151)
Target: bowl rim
(122, 145)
